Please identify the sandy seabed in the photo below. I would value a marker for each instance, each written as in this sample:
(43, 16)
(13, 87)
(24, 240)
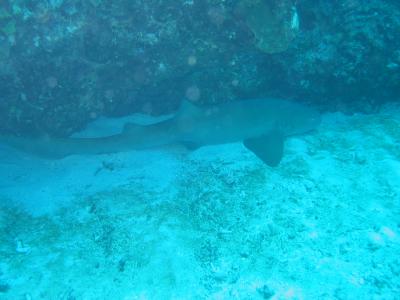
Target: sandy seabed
(215, 223)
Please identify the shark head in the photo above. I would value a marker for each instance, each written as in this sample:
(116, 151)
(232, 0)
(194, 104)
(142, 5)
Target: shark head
(301, 120)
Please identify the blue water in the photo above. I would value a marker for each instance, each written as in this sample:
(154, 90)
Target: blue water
(214, 222)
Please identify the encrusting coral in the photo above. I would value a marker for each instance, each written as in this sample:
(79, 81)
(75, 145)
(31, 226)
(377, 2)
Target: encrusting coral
(274, 23)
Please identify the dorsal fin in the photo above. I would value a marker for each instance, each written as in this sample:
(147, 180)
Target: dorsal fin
(187, 108)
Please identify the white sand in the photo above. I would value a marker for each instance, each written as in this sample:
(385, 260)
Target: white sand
(212, 224)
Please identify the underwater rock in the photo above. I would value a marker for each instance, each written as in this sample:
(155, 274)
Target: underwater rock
(145, 56)
(274, 24)
(345, 54)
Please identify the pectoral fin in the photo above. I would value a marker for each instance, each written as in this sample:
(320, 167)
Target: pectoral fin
(268, 147)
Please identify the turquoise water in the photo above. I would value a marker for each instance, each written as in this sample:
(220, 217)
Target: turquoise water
(213, 222)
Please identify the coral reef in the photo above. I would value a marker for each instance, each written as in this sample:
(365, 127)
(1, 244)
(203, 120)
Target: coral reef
(64, 63)
(274, 23)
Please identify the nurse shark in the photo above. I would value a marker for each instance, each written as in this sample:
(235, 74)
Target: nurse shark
(261, 124)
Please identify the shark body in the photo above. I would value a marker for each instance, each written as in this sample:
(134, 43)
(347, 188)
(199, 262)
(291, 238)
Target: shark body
(262, 125)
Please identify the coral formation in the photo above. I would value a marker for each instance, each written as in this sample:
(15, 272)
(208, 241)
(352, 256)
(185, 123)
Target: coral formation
(64, 64)
(274, 23)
